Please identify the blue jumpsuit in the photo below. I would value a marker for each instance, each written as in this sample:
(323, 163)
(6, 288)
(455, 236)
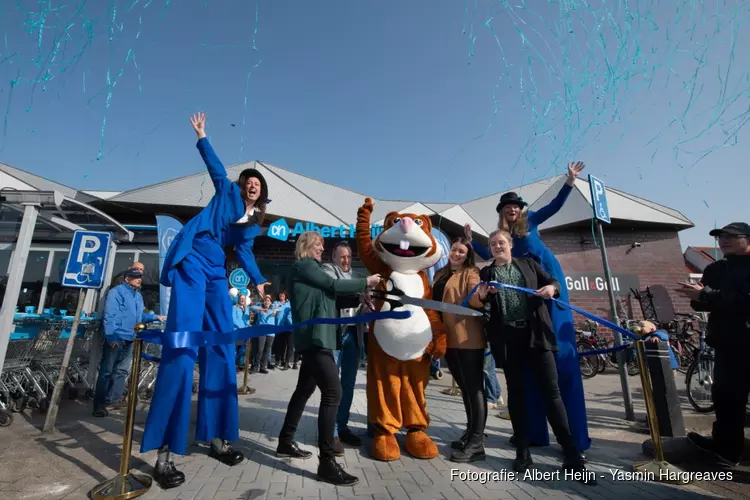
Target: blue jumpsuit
(568, 367)
(195, 269)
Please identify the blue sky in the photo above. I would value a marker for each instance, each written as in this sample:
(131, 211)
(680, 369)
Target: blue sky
(390, 98)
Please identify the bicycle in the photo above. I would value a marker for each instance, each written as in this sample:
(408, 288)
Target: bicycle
(681, 340)
(702, 371)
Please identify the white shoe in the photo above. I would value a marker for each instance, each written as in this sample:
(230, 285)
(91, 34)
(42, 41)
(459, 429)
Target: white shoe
(501, 401)
(492, 406)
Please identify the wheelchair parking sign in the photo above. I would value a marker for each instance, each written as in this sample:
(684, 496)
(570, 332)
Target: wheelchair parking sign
(87, 260)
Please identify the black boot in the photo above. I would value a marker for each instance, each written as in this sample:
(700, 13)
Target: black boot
(167, 475)
(575, 468)
(226, 455)
(473, 451)
(291, 450)
(523, 460)
(331, 472)
(460, 443)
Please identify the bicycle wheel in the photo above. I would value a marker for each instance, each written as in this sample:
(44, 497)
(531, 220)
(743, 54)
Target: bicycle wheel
(589, 364)
(701, 372)
(688, 352)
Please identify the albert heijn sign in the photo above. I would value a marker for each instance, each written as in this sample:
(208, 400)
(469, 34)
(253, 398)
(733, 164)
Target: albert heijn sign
(596, 283)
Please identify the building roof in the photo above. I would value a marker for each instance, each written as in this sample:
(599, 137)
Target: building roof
(697, 258)
(299, 197)
(15, 178)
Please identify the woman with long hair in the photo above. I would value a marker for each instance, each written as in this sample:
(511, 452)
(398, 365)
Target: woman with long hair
(466, 344)
(195, 269)
(523, 226)
(312, 294)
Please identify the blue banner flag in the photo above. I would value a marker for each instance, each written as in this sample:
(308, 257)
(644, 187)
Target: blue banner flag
(167, 228)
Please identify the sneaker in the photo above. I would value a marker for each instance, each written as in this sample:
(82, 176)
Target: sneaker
(709, 446)
(348, 437)
(492, 406)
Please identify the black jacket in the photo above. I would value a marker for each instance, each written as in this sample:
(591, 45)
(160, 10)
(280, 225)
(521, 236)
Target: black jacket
(726, 297)
(542, 334)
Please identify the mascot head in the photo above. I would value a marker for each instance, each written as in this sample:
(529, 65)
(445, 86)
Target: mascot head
(406, 244)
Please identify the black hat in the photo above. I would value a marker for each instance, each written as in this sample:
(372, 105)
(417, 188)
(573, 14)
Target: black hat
(133, 272)
(735, 229)
(510, 199)
(252, 172)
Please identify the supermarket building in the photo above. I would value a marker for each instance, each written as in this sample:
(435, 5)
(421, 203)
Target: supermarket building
(642, 241)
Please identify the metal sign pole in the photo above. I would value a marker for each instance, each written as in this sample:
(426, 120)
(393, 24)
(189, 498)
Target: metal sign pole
(621, 365)
(49, 421)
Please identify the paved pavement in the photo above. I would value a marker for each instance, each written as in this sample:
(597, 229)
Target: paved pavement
(86, 451)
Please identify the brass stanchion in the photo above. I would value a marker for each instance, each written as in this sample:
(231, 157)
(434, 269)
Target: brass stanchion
(127, 484)
(454, 390)
(658, 470)
(245, 390)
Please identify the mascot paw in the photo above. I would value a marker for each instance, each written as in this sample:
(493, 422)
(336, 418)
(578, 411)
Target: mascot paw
(367, 207)
(419, 445)
(436, 349)
(385, 448)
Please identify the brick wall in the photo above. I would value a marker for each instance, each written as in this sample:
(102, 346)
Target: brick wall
(658, 261)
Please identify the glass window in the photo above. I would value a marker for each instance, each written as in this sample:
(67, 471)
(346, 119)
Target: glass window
(33, 279)
(58, 297)
(123, 261)
(5, 255)
(150, 287)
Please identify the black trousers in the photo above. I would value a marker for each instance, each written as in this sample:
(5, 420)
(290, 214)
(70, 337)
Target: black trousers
(729, 393)
(284, 347)
(518, 356)
(467, 369)
(318, 370)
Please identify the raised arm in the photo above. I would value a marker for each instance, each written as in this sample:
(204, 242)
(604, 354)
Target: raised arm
(538, 217)
(479, 249)
(364, 240)
(216, 169)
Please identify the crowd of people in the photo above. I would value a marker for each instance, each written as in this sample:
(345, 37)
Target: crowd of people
(530, 337)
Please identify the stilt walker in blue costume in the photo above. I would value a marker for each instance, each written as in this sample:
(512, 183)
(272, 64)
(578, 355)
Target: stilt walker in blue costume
(528, 243)
(195, 269)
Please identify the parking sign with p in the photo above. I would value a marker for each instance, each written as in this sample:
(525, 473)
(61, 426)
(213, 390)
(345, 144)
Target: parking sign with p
(87, 260)
(599, 199)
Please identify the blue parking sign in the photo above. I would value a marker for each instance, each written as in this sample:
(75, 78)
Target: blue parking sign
(599, 199)
(87, 260)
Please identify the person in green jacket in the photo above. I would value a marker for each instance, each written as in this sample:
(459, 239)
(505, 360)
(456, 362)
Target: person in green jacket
(312, 294)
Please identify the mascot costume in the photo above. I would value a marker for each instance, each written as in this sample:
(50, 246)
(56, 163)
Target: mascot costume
(399, 351)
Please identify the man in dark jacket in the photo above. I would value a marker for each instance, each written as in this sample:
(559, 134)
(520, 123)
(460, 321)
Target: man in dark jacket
(724, 292)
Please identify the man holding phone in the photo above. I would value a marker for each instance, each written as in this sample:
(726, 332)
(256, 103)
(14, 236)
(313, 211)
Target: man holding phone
(724, 292)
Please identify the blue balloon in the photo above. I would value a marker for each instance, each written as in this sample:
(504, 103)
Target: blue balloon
(244, 291)
(445, 245)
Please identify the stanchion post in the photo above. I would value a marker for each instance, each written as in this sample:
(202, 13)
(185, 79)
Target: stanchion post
(51, 418)
(245, 390)
(658, 469)
(127, 484)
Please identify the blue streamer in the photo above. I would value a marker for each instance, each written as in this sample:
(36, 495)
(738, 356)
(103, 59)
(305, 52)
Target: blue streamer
(188, 340)
(582, 312)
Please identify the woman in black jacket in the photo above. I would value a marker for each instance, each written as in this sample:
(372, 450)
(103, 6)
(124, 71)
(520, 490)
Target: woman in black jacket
(521, 337)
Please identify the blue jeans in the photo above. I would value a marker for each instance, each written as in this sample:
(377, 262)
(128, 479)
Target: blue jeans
(113, 371)
(347, 361)
(490, 379)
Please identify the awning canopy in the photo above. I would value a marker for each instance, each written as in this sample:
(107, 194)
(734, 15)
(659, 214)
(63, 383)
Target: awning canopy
(58, 216)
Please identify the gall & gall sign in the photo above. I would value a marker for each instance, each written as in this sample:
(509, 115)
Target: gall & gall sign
(596, 283)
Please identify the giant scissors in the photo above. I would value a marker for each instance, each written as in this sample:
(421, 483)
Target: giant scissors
(397, 298)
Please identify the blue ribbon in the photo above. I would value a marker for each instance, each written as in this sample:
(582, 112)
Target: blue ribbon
(189, 340)
(582, 312)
